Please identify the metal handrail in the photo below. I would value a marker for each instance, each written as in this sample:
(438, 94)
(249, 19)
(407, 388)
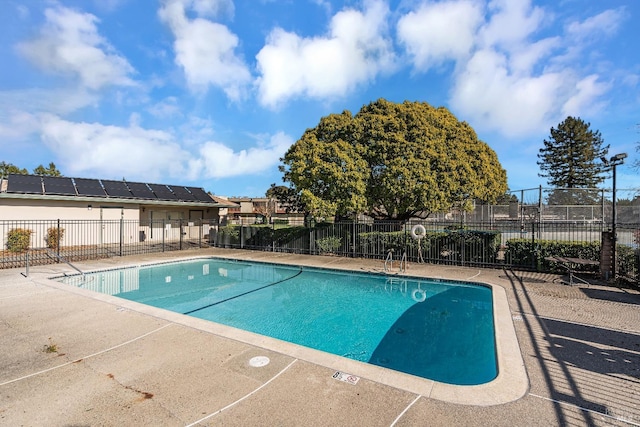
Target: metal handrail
(388, 260)
(63, 259)
(403, 262)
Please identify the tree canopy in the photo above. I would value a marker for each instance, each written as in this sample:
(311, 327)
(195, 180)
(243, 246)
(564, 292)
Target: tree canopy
(49, 171)
(392, 161)
(7, 168)
(571, 156)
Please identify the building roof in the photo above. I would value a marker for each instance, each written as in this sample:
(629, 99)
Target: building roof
(38, 187)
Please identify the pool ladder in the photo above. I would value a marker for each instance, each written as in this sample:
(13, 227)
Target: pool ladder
(388, 262)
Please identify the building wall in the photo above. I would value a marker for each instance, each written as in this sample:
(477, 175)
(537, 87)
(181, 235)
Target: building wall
(98, 222)
(26, 209)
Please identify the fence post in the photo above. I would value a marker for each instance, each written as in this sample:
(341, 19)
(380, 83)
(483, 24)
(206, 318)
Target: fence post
(58, 239)
(26, 255)
(164, 231)
(534, 255)
(180, 231)
(273, 235)
(602, 228)
(540, 209)
(353, 246)
(121, 233)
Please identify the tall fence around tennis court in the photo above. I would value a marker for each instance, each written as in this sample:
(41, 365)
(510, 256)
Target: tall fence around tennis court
(512, 244)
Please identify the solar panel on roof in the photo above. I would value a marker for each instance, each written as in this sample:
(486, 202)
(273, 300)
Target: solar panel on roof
(140, 190)
(162, 192)
(182, 193)
(89, 187)
(31, 184)
(116, 188)
(58, 185)
(200, 194)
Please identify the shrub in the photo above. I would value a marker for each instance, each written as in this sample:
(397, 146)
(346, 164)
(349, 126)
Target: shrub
(462, 245)
(231, 230)
(54, 236)
(520, 252)
(18, 239)
(329, 244)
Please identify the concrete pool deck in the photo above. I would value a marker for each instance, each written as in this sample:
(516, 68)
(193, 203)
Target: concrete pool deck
(73, 357)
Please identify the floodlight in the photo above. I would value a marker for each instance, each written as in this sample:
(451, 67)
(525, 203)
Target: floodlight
(619, 157)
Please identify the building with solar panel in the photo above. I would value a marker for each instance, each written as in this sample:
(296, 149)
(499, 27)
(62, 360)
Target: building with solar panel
(152, 212)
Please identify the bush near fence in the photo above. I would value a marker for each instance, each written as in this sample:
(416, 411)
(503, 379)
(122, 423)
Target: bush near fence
(525, 253)
(469, 246)
(18, 240)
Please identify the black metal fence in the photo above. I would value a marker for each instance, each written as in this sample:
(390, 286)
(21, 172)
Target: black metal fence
(513, 244)
(46, 242)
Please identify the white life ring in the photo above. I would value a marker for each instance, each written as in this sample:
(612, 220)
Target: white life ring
(418, 231)
(421, 298)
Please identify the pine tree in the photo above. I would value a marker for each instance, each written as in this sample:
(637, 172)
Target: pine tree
(570, 159)
(571, 156)
(52, 170)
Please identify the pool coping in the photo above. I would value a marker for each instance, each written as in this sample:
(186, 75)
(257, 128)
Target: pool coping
(510, 384)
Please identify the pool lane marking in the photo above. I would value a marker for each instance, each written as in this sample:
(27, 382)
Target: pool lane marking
(244, 397)
(623, 419)
(405, 410)
(244, 293)
(85, 357)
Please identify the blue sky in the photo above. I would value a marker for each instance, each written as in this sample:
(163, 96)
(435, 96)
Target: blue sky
(211, 93)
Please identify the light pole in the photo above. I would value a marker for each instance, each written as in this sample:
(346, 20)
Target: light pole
(614, 161)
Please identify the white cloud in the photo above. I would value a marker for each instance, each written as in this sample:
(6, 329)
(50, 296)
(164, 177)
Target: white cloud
(166, 108)
(218, 160)
(496, 99)
(507, 77)
(20, 109)
(583, 97)
(211, 8)
(69, 44)
(605, 23)
(113, 151)
(205, 50)
(17, 125)
(147, 154)
(511, 24)
(354, 52)
(59, 101)
(427, 32)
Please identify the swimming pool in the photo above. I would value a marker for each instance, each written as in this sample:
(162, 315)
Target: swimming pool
(440, 330)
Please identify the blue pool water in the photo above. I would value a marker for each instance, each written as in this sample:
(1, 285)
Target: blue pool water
(434, 329)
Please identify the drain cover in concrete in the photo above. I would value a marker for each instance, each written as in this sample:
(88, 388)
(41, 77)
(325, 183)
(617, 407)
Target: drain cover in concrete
(259, 361)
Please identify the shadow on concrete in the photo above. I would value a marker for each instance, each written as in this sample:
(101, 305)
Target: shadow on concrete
(556, 359)
(619, 295)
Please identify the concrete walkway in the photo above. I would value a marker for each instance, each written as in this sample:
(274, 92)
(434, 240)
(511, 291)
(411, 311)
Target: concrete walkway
(72, 357)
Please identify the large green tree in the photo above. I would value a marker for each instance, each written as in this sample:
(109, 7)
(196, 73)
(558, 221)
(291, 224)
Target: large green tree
(571, 155)
(392, 161)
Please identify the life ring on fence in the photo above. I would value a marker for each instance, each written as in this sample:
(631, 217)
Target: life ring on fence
(418, 231)
(421, 298)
